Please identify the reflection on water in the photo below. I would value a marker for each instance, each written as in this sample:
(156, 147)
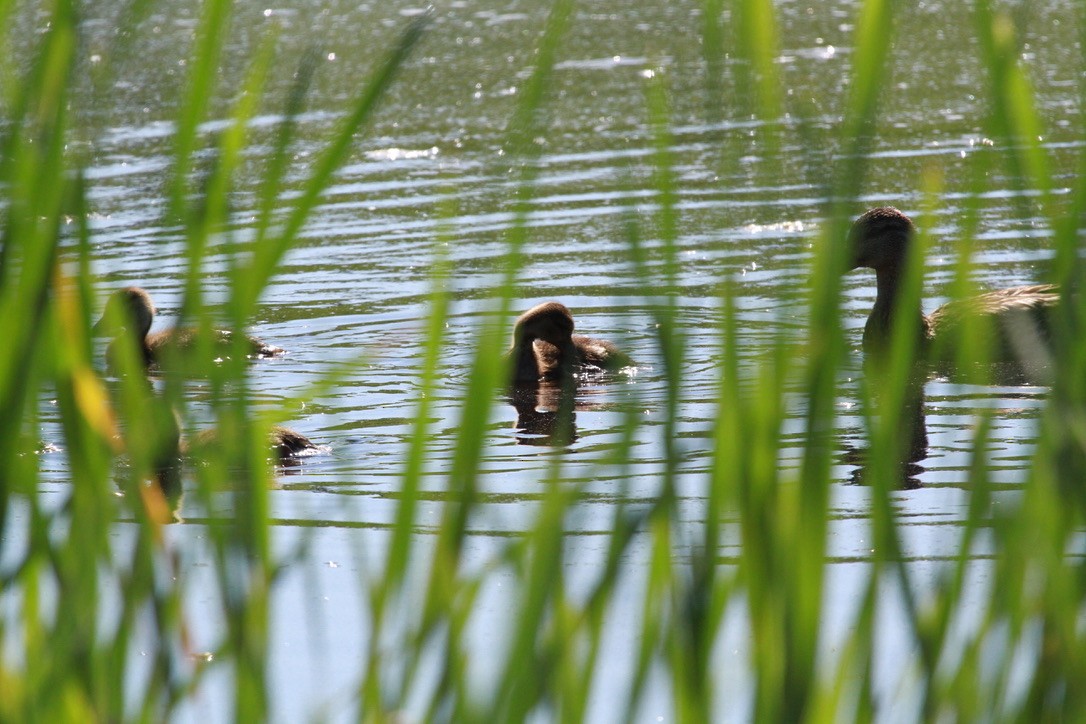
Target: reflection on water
(355, 290)
(545, 412)
(907, 421)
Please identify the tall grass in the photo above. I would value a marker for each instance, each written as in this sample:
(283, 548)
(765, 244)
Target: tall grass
(69, 656)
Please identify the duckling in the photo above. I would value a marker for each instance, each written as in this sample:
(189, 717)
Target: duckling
(134, 305)
(289, 444)
(880, 239)
(286, 445)
(545, 348)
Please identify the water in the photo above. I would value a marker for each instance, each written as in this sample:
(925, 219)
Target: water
(431, 171)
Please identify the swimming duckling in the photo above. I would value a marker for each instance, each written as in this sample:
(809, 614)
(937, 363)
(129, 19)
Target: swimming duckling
(134, 305)
(880, 240)
(286, 445)
(545, 348)
(289, 444)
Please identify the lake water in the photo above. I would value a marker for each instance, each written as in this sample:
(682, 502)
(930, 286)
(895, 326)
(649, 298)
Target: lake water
(431, 169)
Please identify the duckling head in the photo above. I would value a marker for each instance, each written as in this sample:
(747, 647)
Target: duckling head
(550, 322)
(131, 308)
(880, 238)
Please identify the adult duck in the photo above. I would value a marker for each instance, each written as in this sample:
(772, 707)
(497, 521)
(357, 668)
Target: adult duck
(545, 347)
(880, 240)
(131, 311)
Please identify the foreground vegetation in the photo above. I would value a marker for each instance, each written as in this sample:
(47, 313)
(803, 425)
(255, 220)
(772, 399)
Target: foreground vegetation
(67, 655)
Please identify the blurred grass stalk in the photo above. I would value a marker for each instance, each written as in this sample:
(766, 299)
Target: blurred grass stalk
(101, 631)
(75, 656)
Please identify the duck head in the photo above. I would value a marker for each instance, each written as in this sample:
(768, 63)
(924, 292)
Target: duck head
(880, 238)
(551, 325)
(131, 308)
(550, 322)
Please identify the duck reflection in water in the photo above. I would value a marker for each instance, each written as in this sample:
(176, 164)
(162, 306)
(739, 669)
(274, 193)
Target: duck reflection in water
(546, 358)
(545, 412)
(912, 422)
(147, 433)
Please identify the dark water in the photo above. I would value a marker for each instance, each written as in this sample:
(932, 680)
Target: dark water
(431, 171)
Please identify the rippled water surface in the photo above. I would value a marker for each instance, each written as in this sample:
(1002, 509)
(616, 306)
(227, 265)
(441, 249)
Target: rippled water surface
(430, 176)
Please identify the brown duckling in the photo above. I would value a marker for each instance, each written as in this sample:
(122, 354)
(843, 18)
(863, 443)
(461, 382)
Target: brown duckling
(134, 305)
(880, 240)
(289, 444)
(284, 444)
(545, 348)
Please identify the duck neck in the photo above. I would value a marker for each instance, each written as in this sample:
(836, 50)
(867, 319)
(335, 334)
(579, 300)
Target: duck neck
(525, 366)
(142, 329)
(143, 349)
(146, 353)
(887, 308)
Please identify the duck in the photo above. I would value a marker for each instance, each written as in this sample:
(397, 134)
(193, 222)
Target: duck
(134, 305)
(285, 445)
(880, 241)
(289, 445)
(545, 348)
